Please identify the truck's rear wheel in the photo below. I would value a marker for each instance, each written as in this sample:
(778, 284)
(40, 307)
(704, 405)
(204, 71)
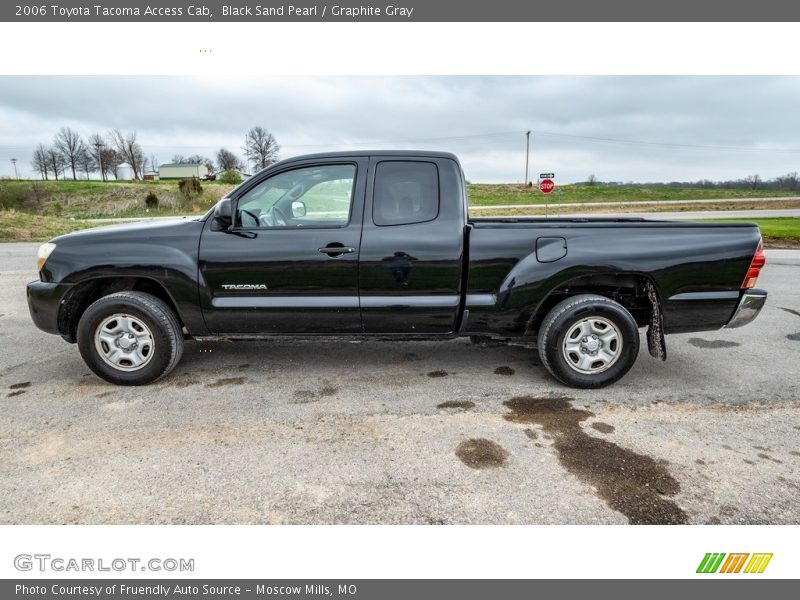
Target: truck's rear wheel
(588, 341)
(130, 338)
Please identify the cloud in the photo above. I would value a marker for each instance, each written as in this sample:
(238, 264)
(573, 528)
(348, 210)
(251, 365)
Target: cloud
(700, 127)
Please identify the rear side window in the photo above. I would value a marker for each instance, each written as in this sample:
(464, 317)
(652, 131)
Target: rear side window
(405, 192)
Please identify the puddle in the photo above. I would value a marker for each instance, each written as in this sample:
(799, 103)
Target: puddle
(479, 453)
(227, 381)
(603, 427)
(464, 404)
(631, 483)
(701, 343)
(504, 371)
(438, 374)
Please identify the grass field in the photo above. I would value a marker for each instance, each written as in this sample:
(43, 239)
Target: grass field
(90, 199)
(777, 232)
(489, 195)
(24, 227)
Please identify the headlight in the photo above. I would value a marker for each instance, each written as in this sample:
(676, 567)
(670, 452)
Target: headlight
(44, 251)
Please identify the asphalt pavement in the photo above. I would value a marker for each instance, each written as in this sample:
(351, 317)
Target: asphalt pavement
(403, 432)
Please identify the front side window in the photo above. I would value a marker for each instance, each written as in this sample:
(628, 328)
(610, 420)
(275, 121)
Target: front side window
(319, 196)
(405, 192)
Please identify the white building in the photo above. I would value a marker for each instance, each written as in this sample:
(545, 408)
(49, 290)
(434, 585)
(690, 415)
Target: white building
(182, 171)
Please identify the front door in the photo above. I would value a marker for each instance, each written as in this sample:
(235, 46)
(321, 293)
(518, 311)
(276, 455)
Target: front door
(289, 265)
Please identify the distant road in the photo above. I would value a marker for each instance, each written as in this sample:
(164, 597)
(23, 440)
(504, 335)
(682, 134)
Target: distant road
(637, 202)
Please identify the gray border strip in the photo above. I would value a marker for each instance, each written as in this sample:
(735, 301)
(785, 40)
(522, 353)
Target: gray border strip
(412, 11)
(710, 586)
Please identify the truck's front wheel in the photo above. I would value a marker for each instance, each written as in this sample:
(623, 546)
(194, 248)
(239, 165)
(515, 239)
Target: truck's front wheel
(588, 341)
(130, 338)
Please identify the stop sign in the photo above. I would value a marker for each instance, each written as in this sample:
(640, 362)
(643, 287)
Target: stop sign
(546, 186)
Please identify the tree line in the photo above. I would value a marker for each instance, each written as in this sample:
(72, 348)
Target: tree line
(71, 154)
(790, 181)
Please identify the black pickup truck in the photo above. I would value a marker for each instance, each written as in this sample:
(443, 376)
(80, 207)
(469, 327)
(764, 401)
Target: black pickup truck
(380, 244)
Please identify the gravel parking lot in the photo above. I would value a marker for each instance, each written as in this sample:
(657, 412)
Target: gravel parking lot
(387, 432)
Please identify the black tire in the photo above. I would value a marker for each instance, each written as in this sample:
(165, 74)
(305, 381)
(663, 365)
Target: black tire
(566, 316)
(166, 335)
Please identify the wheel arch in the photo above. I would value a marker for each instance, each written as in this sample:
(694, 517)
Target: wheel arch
(83, 294)
(630, 289)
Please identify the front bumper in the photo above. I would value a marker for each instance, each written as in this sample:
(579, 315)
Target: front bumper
(44, 304)
(750, 304)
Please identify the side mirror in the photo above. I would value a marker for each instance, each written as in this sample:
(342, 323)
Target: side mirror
(223, 215)
(298, 209)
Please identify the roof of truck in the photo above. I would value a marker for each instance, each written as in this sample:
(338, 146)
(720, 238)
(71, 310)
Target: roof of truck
(348, 153)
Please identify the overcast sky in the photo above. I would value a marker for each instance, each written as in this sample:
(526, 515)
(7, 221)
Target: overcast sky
(685, 128)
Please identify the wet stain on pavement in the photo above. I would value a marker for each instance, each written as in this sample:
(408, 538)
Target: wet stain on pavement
(308, 396)
(763, 456)
(701, 343)
(531, 434)
(699, 461)
(20, 386)
(479, 453)
(794, 337)
(749, 462)
(504, 371)
(631, 483)
(438, 374)
(794, 452)
(104, 394)
(463, 404)
(603, 427)
(17, 393)
(227, 381)
(244, 366)
(791, 311)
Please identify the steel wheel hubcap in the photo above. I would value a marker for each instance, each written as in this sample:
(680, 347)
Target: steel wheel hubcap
(124, 342)
(592, 345)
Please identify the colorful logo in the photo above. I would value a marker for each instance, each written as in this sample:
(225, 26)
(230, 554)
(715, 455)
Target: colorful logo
(734, 563)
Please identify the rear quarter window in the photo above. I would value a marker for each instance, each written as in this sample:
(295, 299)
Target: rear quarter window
(405, 192)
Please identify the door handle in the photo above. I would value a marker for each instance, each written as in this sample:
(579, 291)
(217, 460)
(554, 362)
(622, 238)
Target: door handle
(337, 250)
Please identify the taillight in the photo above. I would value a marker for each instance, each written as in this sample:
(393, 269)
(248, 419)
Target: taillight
(759, 258)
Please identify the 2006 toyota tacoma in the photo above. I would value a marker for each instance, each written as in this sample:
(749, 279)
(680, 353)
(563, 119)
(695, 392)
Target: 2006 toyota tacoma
(380, 244)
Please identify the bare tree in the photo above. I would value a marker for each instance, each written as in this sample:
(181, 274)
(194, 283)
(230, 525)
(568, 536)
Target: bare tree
(130, 151)
(753, 181)
(591, 180)
(261, 147)
(39, 161)
(789, 181)
(153, 163)
(70, 144)
(227, 160)
(86, 162)
(55, 160)
(110, 160)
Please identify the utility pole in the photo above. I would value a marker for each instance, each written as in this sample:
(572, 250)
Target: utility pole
(97, 147)
(14, 162)
(527, 154)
